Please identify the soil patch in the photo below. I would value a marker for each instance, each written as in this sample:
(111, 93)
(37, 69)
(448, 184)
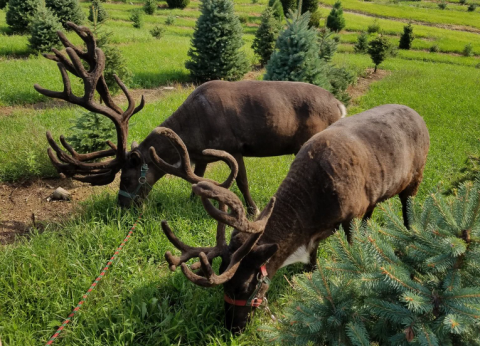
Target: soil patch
(363, 83)
(24, 205)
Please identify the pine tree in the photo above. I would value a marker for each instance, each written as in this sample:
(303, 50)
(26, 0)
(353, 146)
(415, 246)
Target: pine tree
(3, 4)
(266, 36)
(309, 5)
(150, 6)
(277, 7)
(296, 57)
(288, 5)
(394, 286)
(379, 48)
(315, 19)
(407, 37)
(96, 9)
(66, 11)
(216, 51)
(361, 46)
(43, 31)
(181, 4)
(20, 14)
(335, 20)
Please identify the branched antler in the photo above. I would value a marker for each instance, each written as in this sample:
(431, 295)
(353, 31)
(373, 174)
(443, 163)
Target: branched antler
(74, 165)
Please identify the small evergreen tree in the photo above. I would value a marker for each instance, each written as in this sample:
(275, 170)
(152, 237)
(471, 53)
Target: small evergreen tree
(296, 57)
(20, 14)
(3, 4)
(137, 18)
(335, 20)
(288, 5)
(150, 6)
(374, 27)
(309, 5)
(468, 50)
(407, 37)
(157, 32)
(379, 48)
(315, 19)
(181, 4)
(216, 51)
(96, 9)
(90, 132)
(472, 7)
(328, 44)
(394, 286)
(442, 5)
(66, 11)
(266, 36)
(361, 46)
(277, 7)
(43, 31)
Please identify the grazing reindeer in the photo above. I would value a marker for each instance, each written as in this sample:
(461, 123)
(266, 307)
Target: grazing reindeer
(247, 118)
(339, 174)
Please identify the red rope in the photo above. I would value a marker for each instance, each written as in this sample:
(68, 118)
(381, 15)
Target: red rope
(102, 274)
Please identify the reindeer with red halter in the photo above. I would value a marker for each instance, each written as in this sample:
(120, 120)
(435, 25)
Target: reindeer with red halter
(339, 174)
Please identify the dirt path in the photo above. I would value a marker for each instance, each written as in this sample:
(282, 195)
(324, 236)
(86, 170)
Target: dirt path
(24, 205)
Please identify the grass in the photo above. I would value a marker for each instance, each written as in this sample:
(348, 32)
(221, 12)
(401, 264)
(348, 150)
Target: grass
(140, 302)
(434, 16)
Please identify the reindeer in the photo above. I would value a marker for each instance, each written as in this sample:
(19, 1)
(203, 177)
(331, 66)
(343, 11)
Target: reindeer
(247, 118)
(340, 174)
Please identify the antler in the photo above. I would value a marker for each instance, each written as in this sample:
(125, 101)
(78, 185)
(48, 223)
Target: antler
(235, 219)
(74, 165)
(184, 169)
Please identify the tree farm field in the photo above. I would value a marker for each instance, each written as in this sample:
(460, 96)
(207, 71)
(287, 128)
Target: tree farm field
(47, 268)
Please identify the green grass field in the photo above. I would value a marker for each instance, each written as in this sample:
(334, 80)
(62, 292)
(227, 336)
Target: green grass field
(140, 302)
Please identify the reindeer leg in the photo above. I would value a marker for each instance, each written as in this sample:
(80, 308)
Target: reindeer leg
(368, 215)
(410, 191)
(242, 184)
(310, 267)
(347, 229)
(199, 170)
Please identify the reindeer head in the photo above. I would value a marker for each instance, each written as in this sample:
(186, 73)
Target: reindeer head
(242, 272)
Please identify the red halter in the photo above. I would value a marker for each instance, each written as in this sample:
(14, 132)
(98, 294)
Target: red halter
(253, 301)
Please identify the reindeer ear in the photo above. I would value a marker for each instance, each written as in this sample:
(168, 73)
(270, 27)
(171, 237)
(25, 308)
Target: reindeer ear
(263, 253)
(135, 157)
(134, 145)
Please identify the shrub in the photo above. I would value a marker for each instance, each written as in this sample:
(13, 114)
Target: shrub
(216, 51)
(361, 46)
(157, 32)
(379, 48)
(296, 57)
(150, 6)
(407, 37)
(66, 11)
(374, 27)
(463, 2)
(91, 132)
(442, 5)
(277, 7)
(434, 49)
(468, 50)
(394, 286)
(335, 20)
(266, 36)
(472, 7)
(309, 5)
(96, 9)
(20, 14)
(3, 4)
(178, 3)
(288, 5)
(244, 19)
(254, 2)
(170, 20)
(137, 18)
(43, 31)
(315, 19)
(328, 44)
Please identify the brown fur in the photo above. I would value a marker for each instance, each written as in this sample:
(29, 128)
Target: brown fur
(247, 118)
(339, 174)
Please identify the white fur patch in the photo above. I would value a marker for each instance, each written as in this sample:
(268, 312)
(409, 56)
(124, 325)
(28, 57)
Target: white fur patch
(343, 110)
(301, 254)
